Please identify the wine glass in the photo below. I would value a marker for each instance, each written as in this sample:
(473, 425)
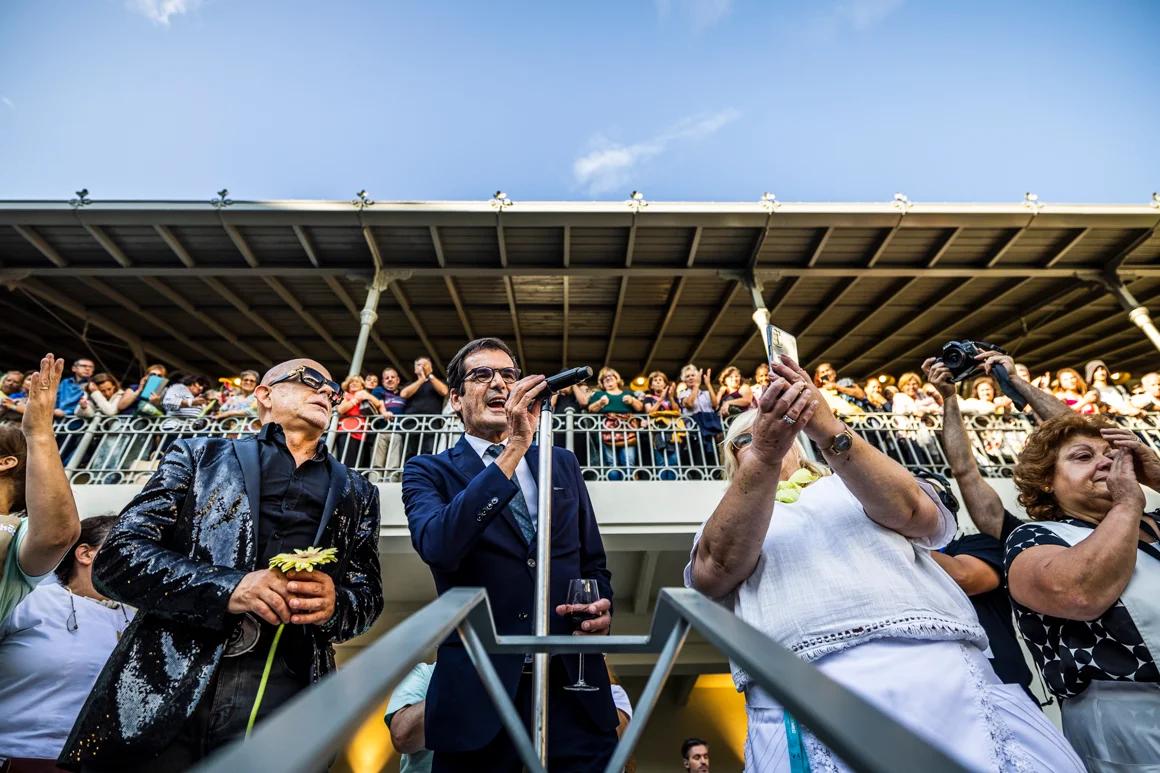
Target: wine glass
(582, 593)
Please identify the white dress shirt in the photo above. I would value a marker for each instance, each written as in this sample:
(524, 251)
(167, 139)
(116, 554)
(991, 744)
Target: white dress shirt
(524, 478)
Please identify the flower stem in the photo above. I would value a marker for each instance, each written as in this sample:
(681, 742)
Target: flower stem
(265, 678)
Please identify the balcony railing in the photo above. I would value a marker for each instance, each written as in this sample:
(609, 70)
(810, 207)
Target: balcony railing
(127, 449)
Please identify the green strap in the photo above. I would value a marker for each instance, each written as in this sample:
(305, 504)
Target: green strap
(799, 762)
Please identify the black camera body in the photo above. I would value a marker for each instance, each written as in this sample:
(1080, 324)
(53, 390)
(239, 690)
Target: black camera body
(959, 358)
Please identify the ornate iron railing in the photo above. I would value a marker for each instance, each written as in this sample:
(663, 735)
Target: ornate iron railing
(127, 449)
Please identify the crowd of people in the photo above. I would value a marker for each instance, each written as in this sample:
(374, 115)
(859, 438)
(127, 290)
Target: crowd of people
(139, 639)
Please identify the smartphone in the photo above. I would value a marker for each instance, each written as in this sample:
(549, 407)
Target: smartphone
(152, 384)
(779, 342)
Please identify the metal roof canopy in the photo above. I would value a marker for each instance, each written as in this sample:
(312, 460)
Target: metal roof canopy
(869, 287)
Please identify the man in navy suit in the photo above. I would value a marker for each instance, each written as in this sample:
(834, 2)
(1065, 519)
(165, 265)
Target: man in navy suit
(472, 513)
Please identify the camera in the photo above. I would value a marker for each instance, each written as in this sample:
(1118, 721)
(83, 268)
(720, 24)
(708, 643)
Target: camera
(959, 357)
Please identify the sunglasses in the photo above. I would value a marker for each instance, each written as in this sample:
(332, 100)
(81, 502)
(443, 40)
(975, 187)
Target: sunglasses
(314, 380)
(483, 375)
(742, 440)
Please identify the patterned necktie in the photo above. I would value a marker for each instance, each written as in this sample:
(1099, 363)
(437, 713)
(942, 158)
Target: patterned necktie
(518, 504)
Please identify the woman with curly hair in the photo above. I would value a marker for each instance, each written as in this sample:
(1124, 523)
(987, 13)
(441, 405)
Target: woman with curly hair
(1084, 578)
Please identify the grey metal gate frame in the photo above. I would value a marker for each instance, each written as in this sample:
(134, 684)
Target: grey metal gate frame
(305, 735)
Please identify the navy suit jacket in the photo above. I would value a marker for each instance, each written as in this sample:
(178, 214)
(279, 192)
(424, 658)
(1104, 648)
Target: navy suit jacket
(463, 529)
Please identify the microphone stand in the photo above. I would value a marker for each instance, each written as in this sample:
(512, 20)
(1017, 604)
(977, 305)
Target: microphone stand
(543, 581)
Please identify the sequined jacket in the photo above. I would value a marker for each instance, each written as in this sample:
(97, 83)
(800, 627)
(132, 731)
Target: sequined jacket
(176, 553)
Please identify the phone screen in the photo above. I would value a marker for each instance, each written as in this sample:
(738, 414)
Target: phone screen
(778, 342)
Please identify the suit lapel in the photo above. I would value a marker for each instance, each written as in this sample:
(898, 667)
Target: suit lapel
(338, 478)
(247, 453)
(465, 459)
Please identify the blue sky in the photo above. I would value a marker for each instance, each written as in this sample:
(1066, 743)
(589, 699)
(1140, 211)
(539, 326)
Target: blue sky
(844, 100)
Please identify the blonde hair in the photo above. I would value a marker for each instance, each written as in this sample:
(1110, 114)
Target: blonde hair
(744, 423)
(347, 381)
(906, 378)
(661, 374)
(730, 371)
(609, 372)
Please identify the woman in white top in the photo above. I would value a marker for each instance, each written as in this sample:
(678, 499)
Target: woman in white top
(52, 647)
(839, 572)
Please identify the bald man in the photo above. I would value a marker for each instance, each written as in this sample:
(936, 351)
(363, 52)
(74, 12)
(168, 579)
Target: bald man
(191, 552)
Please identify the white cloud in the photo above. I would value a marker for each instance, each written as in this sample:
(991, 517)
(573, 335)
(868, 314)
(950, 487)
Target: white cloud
(161, 11)
(702, 14)
(11, 105)
(862, 14)
(609, 165)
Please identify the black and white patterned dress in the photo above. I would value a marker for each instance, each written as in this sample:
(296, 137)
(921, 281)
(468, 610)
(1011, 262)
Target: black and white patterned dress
(1073, 653)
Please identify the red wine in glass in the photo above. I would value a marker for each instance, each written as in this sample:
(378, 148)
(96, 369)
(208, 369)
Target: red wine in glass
(582, 592)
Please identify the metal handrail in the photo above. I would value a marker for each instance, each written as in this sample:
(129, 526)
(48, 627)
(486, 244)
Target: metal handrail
(305, 734)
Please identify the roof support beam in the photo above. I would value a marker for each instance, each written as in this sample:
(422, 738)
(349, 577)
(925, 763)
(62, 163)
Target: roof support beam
(1067, 247)
(405, 305)
(622, 292)
(1099, 316)
(157, 322)
(704, 272)
(307, 317)
(109, 245)
(344, 297)
(879, 307)
(508, 288)
(232, 298)
(884, 243)
(209, 322)
(41, 244)
(240, 242)
(935, 339)
(1114, 264)
(307, 245)
(175, 244)
(452, 290)
(674, 299)
(819, 247)
(722, 310)
(941, 251)
(1005, 247)
(65, 303)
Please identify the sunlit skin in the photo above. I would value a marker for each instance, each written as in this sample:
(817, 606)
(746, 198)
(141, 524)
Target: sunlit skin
(12, 382)
(826, 373)
(107, 389)
(248, 385)
(911, 388)
(371, 381)
(1100, 376)
(1067, 381)
(83, 369)
(482, 406)
(873, 389)
(761, 375)
(790, 463)
(657, 384)
(984, 391)
(292, 404)
(689, 376)
(391, 379)
(1080, 480)
(1151, 384)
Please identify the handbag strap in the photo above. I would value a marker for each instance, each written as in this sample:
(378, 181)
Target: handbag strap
(799, 762)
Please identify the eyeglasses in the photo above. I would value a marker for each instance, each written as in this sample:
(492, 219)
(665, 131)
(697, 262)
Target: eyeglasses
(313, 379)
(742, 440)
(483, 375)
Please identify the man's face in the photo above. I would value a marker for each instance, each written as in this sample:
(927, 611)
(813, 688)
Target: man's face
(296, 406)
(826, 373)
(482, 406)
(391, 379)
(1151, 383)
(423, 366)
(12, 381)
(83, 369)
(698, 759)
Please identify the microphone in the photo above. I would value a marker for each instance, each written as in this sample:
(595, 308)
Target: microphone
(567, 378)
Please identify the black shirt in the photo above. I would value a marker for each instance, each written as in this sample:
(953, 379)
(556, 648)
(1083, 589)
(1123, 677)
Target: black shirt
(292, 497)
(994, 606)
(290, 510)
(1072, 654)
(425, 400)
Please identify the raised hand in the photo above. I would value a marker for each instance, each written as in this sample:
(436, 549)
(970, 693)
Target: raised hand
(939, 376)
(785, 408)
(824, 425)
(523, 409)
(1122, 483)
(41, 399)
(1145, 461)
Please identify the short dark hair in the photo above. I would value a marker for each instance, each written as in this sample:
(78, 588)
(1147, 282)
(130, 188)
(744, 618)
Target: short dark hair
(93, 532)
(455, 370)
(197, 379)
(12, 443)
(689, 744)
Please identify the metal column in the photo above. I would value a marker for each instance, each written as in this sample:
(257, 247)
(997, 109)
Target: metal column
(367, 319)
(543, 581)
(1137, 312)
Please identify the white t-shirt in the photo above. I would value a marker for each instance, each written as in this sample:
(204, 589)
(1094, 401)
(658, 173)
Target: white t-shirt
(48, 670)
